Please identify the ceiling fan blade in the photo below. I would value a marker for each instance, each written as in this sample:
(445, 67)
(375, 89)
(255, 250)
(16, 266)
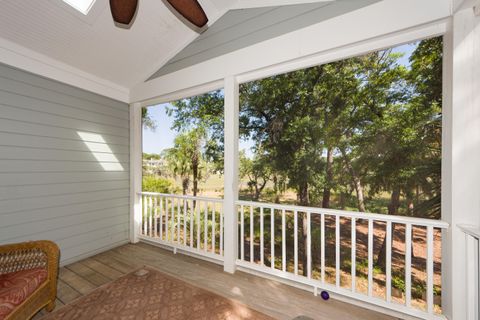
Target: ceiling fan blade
(190, 10)
(123, 11)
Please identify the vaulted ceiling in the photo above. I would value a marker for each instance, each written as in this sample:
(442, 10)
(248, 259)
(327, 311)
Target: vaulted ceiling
(93, 43)
(157, 38)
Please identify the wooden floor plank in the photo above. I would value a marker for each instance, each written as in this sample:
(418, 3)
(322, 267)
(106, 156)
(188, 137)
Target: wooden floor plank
(108, 258)
(65, 293)
(75, 281)
(88, 274)
(102, 269)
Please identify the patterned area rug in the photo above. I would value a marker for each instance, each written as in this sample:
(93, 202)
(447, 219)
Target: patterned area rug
(150, 294)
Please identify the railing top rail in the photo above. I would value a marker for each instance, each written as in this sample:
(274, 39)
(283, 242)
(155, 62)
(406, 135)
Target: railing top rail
(218, 200)
(350, 214)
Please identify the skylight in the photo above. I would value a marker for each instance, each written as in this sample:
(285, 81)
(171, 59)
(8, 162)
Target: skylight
(80, 5)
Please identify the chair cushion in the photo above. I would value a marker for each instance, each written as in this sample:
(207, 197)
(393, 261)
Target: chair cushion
(17, 286)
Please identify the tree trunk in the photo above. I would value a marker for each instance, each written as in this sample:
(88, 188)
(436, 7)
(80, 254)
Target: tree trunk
(259, 189)
(185, 183)
(342, 200)
(357, 183)
(195, 178)
(303, 200)
(392, 210)
(329, 175)
(275, 188)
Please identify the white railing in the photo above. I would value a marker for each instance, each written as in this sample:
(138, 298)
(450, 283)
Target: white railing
(337, 250)
(191, 224)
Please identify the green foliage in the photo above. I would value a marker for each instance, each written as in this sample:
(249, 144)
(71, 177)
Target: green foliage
(203, 111)
(256, 171)
(153, 156)
(186, 157)
(156, 184)
(380, 121)
(147, 121)
(398, 282)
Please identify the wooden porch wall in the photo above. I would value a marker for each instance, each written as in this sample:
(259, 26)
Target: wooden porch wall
(51, 185)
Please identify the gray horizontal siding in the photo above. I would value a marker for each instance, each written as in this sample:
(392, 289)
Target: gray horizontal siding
(52, 184)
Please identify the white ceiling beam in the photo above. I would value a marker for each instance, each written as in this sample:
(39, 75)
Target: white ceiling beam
(245, 4)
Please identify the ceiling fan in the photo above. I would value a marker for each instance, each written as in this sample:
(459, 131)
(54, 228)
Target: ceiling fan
(123, 11)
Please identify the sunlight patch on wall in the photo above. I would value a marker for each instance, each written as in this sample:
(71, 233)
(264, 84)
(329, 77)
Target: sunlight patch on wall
(101, 151)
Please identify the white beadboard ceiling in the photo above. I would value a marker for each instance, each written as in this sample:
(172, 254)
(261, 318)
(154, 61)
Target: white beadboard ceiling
(93, 43)
(126, 57)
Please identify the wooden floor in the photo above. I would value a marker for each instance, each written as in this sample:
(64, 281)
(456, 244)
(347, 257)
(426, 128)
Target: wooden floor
(270, 297)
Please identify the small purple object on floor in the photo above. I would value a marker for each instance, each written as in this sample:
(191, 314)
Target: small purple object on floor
(325, 295)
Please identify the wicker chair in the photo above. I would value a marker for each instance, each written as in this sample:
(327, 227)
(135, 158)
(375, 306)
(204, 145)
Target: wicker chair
(27, 256)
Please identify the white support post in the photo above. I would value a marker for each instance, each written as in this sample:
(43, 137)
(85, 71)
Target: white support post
(461, 154)
(231, 173)
(135, 170)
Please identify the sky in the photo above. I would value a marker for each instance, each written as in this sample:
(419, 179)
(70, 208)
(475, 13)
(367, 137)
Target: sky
(163, 137)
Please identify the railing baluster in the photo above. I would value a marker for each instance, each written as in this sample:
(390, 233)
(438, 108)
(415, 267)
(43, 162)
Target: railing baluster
(205, 227)
(242, 234)
(262, 244)
(198, 212)
(213, 226)
(388, 262)
(178, 220)
(322, 244)
(192, 224)
(150, 218)
(430, 269)
(156, 217)
(309, 245)
(145, 205)
(337, 251)
(161, 217)
(408, 265)
(251, 234)
(147, 216)
(221, 229)
(173, 220)
(185, 205)
(370, 257)
(272, 238)
(354, 255)
(284, 246)
(166, 219)
(295, 242)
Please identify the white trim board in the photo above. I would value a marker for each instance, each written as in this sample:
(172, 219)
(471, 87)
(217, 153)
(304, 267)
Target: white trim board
(23, 58)
(182, 94)
(390, 19)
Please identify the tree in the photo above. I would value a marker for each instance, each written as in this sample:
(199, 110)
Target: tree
(256, 170)
(177, 161)
(147, 121)
(284, 119)
(426, 78)
(156, 184)
(186, 156)
(203, 111)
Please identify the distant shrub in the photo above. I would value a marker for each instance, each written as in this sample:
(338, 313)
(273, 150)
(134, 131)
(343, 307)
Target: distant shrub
(156, 184)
